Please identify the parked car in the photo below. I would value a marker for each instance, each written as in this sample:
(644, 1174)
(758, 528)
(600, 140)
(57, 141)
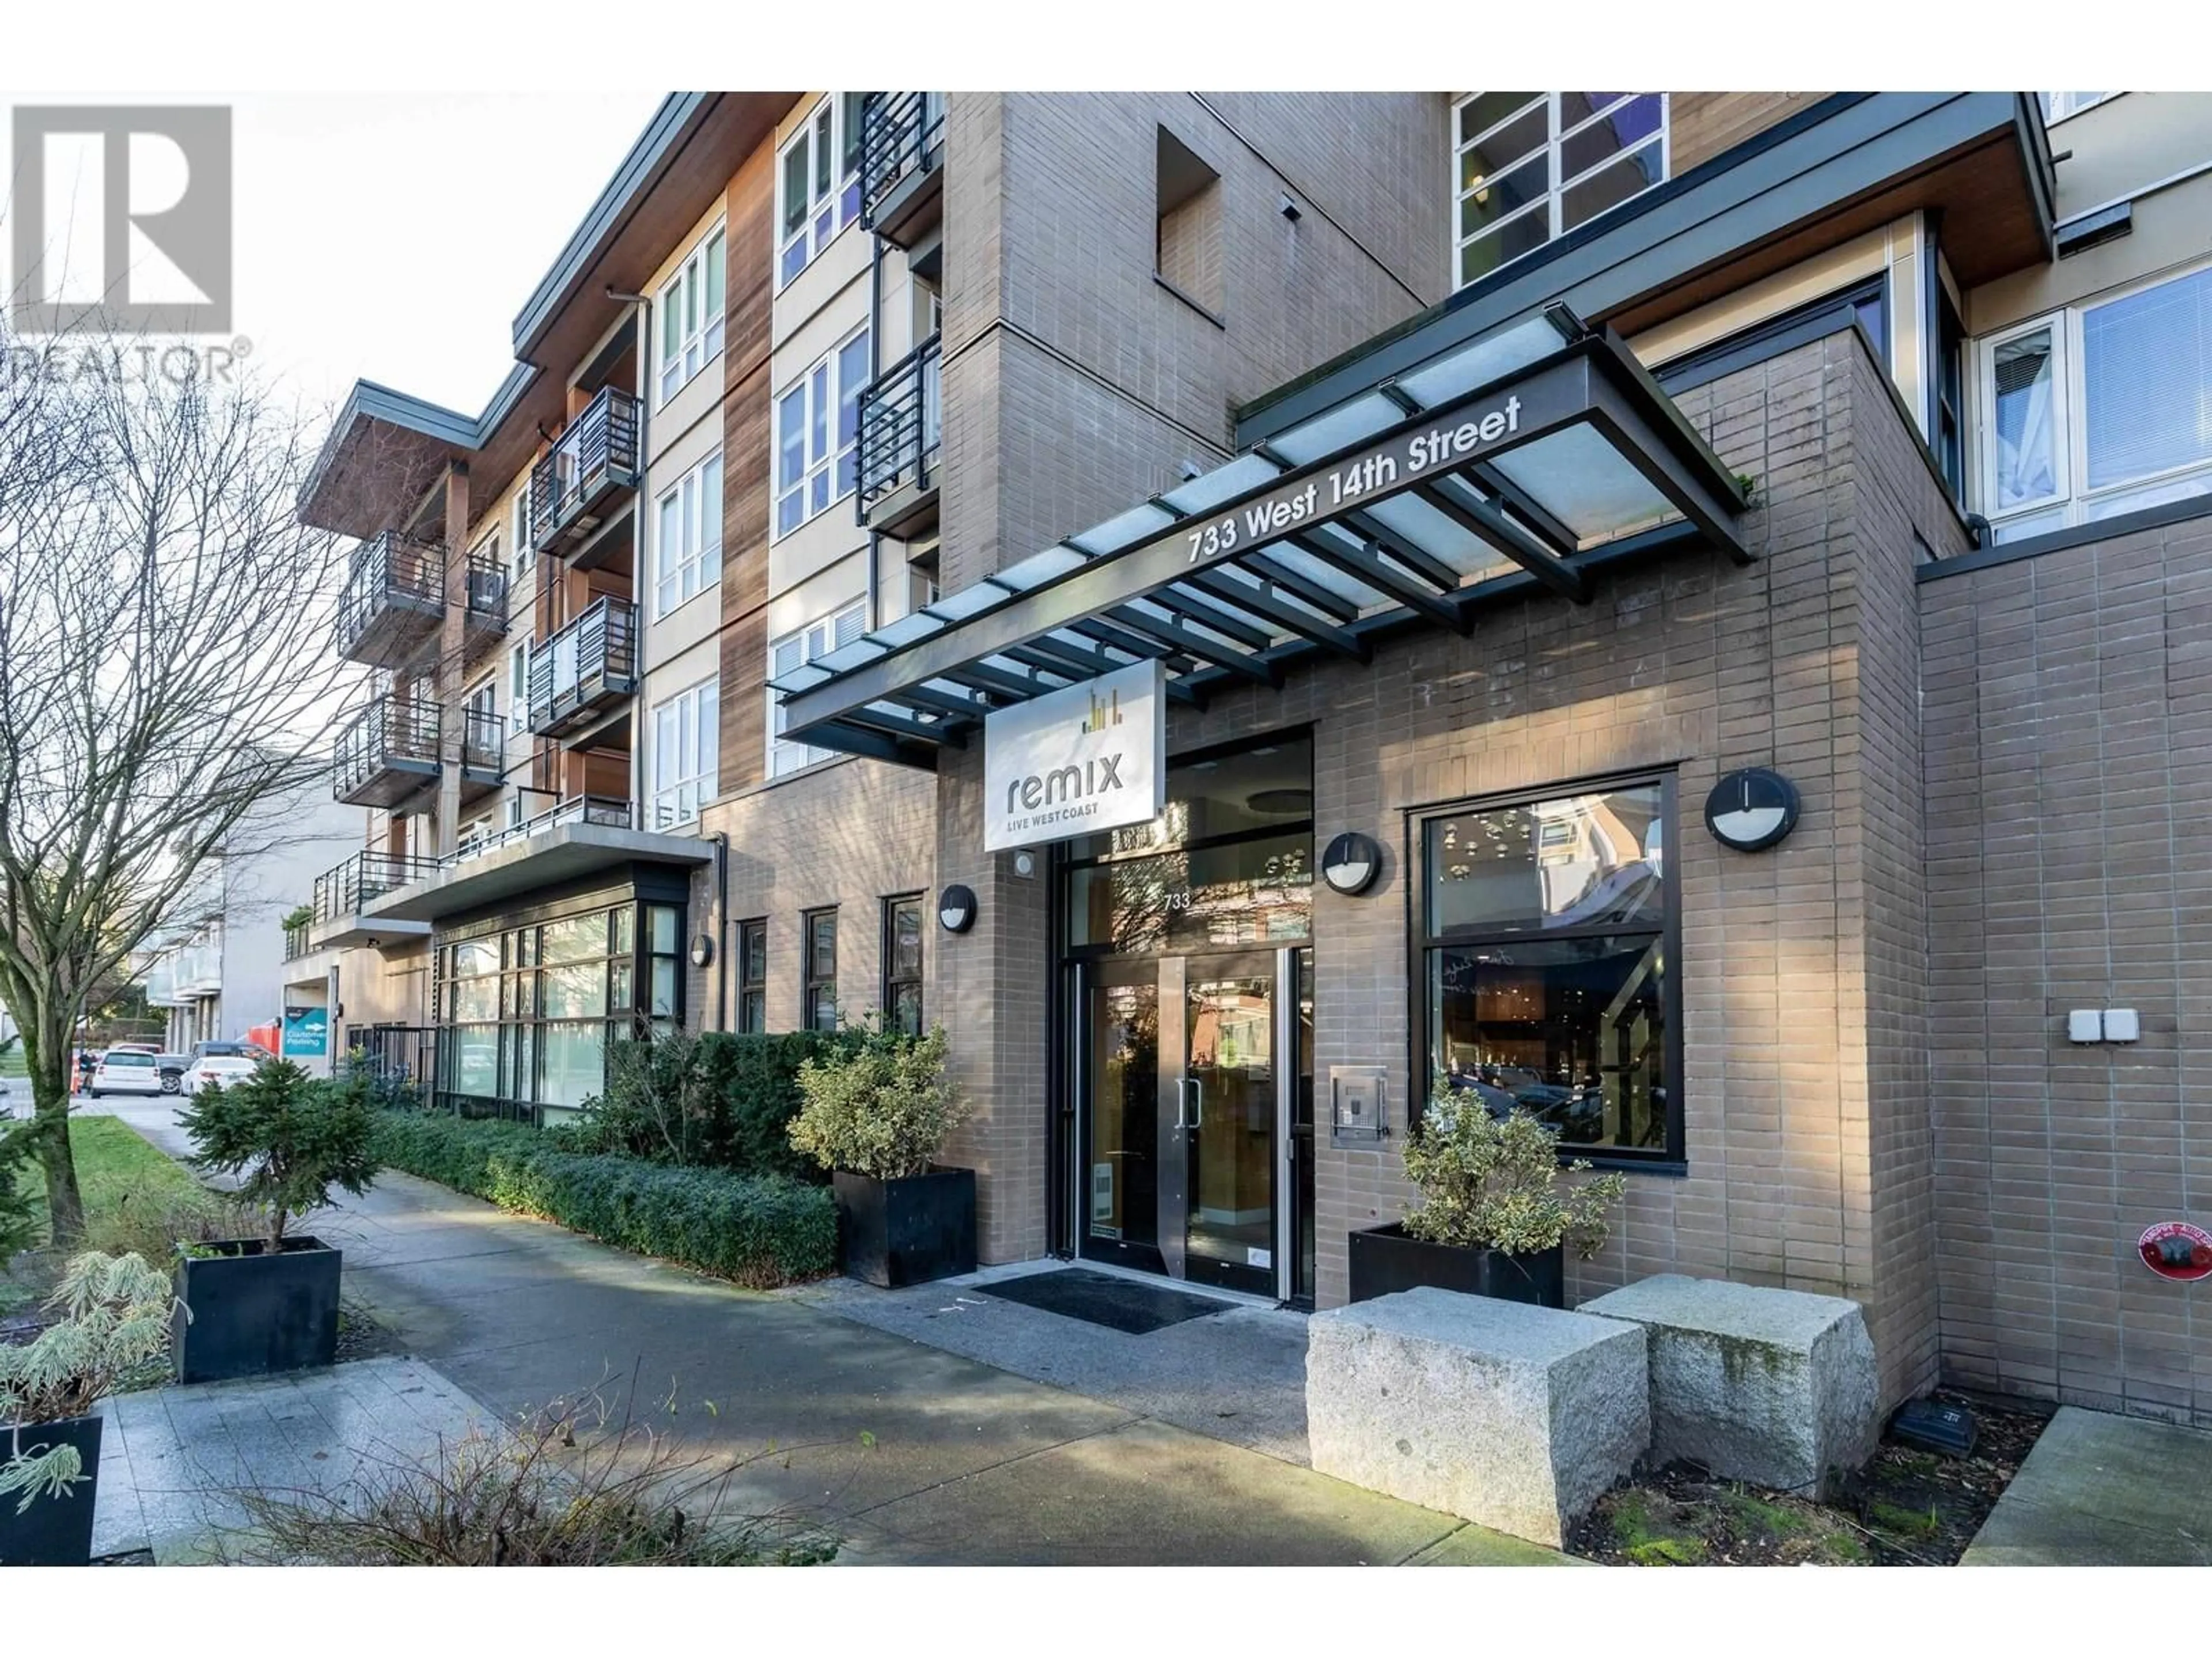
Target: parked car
(220, 1062)
(125, 1071)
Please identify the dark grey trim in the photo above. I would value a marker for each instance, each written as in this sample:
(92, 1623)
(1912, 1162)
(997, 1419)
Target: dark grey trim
(663, 134)
(1726, 356)
(2080, 535)
(2092, 229)
(1793, 172)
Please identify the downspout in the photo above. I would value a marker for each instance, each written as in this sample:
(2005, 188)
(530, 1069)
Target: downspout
(723, 1022)
(874, 608)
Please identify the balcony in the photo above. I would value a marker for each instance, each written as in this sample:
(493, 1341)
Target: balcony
(387, 753)
(484, 753)
(394, 600)
(394, 603)
(901, 426)
(584, 670)
(903, 165)
(575, 486)
(298, 941)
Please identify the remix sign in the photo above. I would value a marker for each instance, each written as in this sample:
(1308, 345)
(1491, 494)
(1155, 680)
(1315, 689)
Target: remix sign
(2174, 1249)
(1085, 757)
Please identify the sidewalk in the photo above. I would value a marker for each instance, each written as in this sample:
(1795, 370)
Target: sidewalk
(964, 1463)
(2104, 1490)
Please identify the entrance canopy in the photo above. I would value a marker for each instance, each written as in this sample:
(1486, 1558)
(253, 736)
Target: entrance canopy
(1523, 461)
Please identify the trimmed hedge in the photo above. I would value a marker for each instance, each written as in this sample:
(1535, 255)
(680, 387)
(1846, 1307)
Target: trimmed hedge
(738, 1092)
(761, 1231)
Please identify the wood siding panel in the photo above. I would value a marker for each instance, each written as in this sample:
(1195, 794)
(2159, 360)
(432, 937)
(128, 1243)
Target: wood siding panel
(1704, 124)
(746, 438)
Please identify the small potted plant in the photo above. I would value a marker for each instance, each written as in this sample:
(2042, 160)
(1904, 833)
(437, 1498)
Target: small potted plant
(267, 1304)
(875, 1117)
(1496, 1209)
(115, 1327)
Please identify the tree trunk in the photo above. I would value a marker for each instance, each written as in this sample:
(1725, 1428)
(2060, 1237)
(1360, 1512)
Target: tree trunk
(53, 1066)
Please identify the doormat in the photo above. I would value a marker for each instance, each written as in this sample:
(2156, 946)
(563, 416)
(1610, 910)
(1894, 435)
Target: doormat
(1120, 1305)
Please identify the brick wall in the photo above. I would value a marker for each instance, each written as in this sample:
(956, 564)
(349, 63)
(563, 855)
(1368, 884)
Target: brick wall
(2067, 752)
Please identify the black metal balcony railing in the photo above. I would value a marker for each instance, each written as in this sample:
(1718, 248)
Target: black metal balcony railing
(386, 752)
(900, 132)
(394, 595)
(297, 941)
(362, 879)
(596, 456)
(900, 425)
(610, 811)
(586, 668)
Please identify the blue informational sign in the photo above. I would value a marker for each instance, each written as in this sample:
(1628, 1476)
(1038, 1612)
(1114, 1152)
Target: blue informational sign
(307, 1033)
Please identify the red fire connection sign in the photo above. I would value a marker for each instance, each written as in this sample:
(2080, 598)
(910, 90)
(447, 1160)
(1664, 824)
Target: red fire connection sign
(2174, 1249)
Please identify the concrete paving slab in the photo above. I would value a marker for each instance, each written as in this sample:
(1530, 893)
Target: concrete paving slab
(1147, 1494)
(1238, 1375)
(1479, 1546)
(2102, 1490)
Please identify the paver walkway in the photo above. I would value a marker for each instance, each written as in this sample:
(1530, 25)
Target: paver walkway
(2103, 1490)
(963, 1463)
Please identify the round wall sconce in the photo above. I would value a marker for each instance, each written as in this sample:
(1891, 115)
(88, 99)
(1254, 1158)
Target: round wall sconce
(702, 949)
(955, 908)
(1752, 809)
(1025, 864)
(1350, 862)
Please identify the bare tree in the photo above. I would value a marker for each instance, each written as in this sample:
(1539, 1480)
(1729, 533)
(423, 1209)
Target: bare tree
(166, 675)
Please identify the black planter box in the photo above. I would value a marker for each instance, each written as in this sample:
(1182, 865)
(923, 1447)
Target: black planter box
(1384, 1260)
(907, 1232)
(54, 1532)
(254, 1314)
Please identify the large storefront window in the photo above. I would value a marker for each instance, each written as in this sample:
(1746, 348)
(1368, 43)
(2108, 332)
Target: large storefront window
(1547, 974)
(526, 1011)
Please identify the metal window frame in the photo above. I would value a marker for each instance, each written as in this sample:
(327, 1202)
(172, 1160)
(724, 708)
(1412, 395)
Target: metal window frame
(1552, 205)
(810, 979)
(1672, 1159)
(889, 980)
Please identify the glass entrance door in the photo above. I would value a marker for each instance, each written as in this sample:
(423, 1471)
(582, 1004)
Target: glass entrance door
(1183, 1103)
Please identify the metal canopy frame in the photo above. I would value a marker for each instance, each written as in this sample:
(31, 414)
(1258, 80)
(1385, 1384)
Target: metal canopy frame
(1418, 504)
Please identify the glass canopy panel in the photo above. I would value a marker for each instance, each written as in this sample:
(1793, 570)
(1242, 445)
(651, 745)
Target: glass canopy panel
(970, 601)
(1341, 428)
(806, 674)
(915, 625)
(1245, 472)
(1326, 576)
(1044, 681)
(1040, 568)
(864, 649)
(1126, 529)
(1243, 578)
(1083, 644)
(1482, 362)
(1586, 484)
(1440, 537)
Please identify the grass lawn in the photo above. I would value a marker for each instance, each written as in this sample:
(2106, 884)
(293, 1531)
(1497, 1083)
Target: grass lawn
(134, 1196)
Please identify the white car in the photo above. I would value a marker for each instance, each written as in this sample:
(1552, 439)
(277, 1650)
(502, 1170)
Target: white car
(125, 1071)
(219, 1067)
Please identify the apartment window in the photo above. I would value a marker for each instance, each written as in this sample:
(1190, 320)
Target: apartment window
(1528, 167)
(518, 533)
(1187, 255)
(811, 469)
(1547, 982)
(518, 680)
(683, 750)
(818, 182)
(752, 975)
(902, 963)
(690, 306)
(2099, 409)
(474, 834)
(818, 1009)
(687, 537)
(817, 638)
(2058, 106)
(481, 735)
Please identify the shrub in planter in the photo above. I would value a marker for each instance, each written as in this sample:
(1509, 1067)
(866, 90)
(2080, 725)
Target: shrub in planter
(875, 1117)
(271, 1303)
(1496, 1214)
(114, 1329)
(707, 1100)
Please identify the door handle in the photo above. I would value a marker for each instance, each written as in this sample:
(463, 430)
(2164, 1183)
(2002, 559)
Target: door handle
(1179, 1121)
(1197, 1102)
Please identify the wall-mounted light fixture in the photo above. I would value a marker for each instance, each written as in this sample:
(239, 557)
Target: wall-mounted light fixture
(955, 908)
(1752, 809)
(702, 950)
(1350, 862)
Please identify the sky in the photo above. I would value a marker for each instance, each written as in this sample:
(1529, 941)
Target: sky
(393, 237)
